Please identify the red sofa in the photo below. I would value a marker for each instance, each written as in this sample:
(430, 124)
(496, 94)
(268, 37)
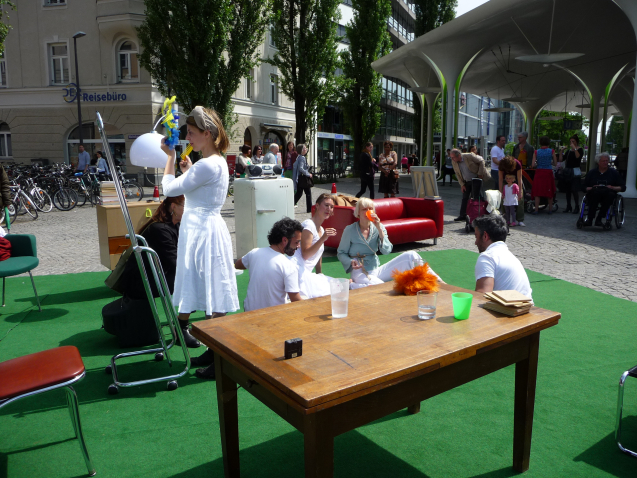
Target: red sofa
(406, 219)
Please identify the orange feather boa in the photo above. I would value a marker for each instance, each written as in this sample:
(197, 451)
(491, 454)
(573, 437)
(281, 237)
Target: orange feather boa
(413, 280)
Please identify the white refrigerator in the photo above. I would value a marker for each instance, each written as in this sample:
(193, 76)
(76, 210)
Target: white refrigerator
(258, 204)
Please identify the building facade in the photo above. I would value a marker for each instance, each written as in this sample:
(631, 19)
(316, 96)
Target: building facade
(38, 93)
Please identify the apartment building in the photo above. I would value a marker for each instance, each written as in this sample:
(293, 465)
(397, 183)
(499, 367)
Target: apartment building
(38, 94)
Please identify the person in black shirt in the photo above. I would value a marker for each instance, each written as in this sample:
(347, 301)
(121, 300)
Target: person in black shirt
(602, 185)
(572, 174)
(367, 165)
(131, 318)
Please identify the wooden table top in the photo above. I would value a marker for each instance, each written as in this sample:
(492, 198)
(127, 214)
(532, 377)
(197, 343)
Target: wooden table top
(379, 343)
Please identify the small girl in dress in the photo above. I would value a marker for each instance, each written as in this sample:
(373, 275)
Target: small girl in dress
(511, 191)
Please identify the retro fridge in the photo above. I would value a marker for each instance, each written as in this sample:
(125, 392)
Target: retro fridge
(258, 204)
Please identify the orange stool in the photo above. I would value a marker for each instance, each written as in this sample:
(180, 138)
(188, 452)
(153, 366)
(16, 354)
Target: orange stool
(44, 371)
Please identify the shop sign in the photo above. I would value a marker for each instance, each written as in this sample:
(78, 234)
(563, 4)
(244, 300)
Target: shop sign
(70, 94)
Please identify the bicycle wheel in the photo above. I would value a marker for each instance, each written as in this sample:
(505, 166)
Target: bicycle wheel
(82, 194)
(133, 192)
(42, 200)
(65, 199)
(29, 205)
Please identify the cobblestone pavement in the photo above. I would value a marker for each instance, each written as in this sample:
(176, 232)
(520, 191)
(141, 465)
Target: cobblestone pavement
(601, 260)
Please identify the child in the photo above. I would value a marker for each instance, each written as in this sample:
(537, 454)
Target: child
(511, 191)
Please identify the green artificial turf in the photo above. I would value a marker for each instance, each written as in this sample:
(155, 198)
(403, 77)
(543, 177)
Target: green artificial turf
(467, 432)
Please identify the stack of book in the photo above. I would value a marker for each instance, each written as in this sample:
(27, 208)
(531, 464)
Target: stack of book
(108, 193)
(508, 302)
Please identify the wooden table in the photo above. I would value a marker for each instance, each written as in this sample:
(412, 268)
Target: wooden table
(378, 360)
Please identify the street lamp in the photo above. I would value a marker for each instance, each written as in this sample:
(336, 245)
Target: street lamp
(77, 84)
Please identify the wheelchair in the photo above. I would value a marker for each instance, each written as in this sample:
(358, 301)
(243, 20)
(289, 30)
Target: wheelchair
(616, 211)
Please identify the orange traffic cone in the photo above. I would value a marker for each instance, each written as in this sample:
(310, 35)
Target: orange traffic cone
(333, 188)
(156, 194)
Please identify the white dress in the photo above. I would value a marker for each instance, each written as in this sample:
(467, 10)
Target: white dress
(311, 285)
(205, 278)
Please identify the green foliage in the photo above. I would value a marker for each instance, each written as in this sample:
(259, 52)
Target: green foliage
(360, 84)
(199, 50)
(305, 34)
(508, 148)
(430, 14)
(4, 25)
(615, 135)
(555, 129)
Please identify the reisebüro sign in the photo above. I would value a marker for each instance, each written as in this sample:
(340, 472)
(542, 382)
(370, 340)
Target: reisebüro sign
(70, 94)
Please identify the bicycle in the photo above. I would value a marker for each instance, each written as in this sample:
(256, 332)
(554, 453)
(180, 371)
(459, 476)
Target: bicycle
(20, 201)
(130, 187)
(40, 197)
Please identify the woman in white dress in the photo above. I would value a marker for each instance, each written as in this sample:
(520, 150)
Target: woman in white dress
(309, 255)
(205, 278)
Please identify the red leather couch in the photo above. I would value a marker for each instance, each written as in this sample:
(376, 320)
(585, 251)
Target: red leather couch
(406, 219)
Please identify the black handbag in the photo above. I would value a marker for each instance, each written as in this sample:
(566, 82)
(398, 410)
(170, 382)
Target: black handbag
(305, 182)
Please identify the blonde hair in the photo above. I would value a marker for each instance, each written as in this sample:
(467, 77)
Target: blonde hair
(363, 202)
(221, 141)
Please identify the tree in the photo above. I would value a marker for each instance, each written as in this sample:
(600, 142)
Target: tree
(305, 34)
(360, 84)
(555, 129)
(4, 27)
(430, 14)
(199, 50)
(615, 135)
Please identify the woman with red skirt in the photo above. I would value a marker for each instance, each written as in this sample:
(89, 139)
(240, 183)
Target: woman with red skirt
(544, 182)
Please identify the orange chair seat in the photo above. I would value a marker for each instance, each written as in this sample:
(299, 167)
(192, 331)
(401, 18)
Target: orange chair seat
(39, 370)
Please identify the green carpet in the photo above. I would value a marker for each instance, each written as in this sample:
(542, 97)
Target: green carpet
(466, 432)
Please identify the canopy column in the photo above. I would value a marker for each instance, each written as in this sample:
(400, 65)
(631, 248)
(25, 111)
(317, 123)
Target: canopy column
(431, 101)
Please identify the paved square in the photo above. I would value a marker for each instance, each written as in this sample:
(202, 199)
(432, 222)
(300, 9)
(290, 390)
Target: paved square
(601, 260)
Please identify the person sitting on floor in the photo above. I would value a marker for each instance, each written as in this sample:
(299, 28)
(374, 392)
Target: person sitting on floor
(310, 254)
(602, 185)
(497, 268)
(358, 246)
(131, 318)
(273, 277)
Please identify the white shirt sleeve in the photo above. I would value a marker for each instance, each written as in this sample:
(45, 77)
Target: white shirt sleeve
(291, 278)
(245, 260)
(198, 175)
(485, 267)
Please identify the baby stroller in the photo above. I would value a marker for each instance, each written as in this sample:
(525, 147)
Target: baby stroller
(529, 202)
(477, 205)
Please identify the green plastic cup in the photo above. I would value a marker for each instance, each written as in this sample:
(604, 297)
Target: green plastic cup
(461, 304)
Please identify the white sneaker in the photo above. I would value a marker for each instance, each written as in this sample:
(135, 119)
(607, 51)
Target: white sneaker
(521, 224)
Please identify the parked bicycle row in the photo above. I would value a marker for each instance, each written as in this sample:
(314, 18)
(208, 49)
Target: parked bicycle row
(40, 188)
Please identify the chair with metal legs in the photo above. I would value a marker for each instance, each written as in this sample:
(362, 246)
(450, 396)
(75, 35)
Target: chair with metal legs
(620, 404)
(24, 258)
(42, 372)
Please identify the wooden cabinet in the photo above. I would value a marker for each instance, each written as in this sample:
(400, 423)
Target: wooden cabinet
(111, 228)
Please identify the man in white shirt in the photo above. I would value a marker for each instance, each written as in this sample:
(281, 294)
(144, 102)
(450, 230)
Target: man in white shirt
(497, 268)
(273, 276)
(497, 154)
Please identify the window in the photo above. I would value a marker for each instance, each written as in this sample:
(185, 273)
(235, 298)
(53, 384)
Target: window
(3, 70)
(272, 44)
(249, 79)
(59, 63)
(128, 66)
(5, 141)
(54, 2)
(274, 94)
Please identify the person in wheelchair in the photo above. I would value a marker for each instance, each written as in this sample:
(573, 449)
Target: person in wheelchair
(602, 185)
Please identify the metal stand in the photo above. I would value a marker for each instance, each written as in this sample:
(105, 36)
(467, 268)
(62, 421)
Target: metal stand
(162, 287)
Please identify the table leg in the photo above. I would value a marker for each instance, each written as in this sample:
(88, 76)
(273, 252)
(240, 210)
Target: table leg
(319, 447)
(228, 420)
(413, 409)
(525, 377)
